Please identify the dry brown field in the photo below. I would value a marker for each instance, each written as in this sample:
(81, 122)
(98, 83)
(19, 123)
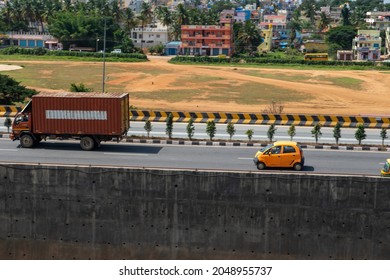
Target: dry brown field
(159, 85)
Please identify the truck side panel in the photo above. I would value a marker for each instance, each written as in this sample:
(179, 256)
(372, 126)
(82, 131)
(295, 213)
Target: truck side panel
(80, 115)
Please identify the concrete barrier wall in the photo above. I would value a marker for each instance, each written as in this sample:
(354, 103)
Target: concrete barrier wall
(63, 212)
(245, 118)
(262, 119)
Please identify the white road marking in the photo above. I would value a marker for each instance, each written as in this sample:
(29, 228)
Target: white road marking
(10, 150)
(244, 158)
(126, 154)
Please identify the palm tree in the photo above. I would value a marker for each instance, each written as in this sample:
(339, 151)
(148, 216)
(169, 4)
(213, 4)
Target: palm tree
(145, 17)
(129, 20)
(116, 12)
(309, 7)
(164, 15)
(324, 22)
(249, 36)
(294, 25)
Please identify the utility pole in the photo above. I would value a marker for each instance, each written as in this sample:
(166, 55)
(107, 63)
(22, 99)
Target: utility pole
(104, 57)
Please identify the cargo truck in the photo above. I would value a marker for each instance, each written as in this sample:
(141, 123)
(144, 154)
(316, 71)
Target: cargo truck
(88, 116)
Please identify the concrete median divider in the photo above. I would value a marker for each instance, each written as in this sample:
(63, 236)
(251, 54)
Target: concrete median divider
(244, 118)
(9, 111)
(262, 119)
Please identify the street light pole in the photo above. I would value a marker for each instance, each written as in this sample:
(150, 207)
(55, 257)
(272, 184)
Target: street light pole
(97, 45)
(104, 57)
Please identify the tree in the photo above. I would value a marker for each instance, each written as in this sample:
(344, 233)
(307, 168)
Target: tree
(230, 130)
(271, 132)
(211, 129)
(249, 36)
(79, 88)
(383, 135)
(7, 123)
(145, 17)
(342, 35)
(291, 132)
(190, 128)
(337, 132)
(169, 128)
(148, 127)
(295, 25)
(78, 28)
(316, 132)
(309, 7)
(11, 91)
(345, 14)
(360, 133)
(324, 21)
(164, 15)
(249, 133)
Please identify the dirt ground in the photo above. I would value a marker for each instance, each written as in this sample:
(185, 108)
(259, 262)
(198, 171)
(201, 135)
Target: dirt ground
(371, 99)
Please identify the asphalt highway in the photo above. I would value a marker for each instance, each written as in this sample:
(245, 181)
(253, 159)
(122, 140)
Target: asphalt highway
(186, 156)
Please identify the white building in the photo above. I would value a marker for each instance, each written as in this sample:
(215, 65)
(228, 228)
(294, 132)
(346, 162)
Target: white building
(367, 45)
(151, 35)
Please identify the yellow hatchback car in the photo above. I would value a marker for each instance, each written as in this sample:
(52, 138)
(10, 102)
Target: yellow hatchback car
(286, 154)
(386, 168)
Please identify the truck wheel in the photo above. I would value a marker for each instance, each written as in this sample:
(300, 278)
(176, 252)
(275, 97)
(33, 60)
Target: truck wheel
(260, 165)
(87, 143)
(27, 141)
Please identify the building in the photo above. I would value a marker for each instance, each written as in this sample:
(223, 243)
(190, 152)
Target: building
(172, 48)
(208, 40)
(378, 20)
(31, 40)
(150, 36)
(345, 55)
(266, 45)
(279, 22)
(367, 45)
(279, 31)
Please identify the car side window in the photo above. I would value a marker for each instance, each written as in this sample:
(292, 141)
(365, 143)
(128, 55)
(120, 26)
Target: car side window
(288, 149)
(276, 150)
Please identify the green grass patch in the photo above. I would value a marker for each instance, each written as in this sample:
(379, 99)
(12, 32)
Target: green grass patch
(60, 76)
(198, 79)
(167, 95)
(278, 76)
(254, 93)
(17, 57)
(286, 66)
(346, 82)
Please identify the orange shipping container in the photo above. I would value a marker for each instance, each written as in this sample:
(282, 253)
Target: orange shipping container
(80, 113)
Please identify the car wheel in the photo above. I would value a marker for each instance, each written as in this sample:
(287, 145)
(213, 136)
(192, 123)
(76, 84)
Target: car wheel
(260, 165)
(298, 166)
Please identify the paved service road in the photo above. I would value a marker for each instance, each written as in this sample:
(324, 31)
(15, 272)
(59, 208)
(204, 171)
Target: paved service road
(181, 156)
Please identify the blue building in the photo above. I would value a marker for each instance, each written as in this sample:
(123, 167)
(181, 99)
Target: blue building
(172, 48)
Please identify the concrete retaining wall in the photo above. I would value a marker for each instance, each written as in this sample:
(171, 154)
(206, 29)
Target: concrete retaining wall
(54, 212)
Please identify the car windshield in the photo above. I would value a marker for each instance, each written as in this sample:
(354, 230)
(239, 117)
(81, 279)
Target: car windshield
(386, 167)
(266, 148)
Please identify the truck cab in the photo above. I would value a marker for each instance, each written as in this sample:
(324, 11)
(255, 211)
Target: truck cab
(22, 127)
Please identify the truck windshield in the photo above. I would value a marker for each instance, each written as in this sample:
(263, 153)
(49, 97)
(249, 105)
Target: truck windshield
(21, 118)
